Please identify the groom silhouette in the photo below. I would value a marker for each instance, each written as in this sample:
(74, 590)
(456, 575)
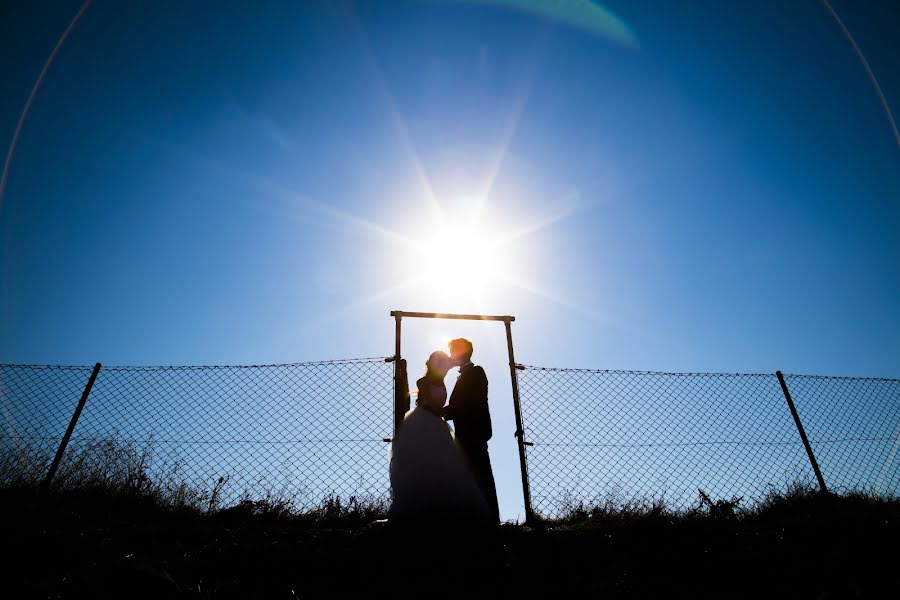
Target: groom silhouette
(468, 409)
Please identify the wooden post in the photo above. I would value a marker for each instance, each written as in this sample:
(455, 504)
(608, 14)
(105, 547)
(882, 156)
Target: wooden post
(401, 381)
(809, 451)
(65, 441)
(520, 432)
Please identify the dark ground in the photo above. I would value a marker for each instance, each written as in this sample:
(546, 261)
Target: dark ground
(91, 544)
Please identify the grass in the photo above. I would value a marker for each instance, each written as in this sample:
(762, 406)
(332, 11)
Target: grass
(94, 542)
(109, 530)
(116, 467)
(795, 497)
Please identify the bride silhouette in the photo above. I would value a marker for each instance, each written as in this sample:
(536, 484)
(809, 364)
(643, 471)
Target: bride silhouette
(430, 478)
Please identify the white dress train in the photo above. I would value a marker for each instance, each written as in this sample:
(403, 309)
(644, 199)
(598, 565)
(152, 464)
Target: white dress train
(430, 479)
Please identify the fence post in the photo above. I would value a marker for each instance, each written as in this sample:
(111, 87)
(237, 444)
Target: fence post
(809, 451)
(520, 433)
(65, 440)
(401, 381)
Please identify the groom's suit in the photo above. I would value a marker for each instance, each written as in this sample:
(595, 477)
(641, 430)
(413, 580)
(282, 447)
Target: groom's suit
(468, 409)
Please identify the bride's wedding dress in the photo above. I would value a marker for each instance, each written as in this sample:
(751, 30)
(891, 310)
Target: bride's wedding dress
(430, 479)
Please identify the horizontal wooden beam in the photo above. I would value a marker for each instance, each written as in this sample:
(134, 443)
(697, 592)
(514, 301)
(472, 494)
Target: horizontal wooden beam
(423, 315)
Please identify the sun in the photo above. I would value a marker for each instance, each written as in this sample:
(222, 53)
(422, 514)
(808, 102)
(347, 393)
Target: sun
(462, 257)
(457, 255)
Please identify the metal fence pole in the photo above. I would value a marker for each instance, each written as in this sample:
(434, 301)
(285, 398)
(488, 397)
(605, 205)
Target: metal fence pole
(65, 440)
(809, 451)
(401, 382)
(520, 433)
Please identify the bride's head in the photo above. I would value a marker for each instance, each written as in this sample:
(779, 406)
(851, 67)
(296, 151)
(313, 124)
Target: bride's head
(437, 365)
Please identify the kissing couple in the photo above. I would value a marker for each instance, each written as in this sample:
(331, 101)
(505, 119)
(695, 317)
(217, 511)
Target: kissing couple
(439, 475)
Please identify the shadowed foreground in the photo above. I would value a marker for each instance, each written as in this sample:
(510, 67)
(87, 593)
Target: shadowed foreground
(93, 543)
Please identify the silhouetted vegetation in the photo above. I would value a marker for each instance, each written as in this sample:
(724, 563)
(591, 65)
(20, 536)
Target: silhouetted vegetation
(117, 467)
(109, 530)
(99, 542)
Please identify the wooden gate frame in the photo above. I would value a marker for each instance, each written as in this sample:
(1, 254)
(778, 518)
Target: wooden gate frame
(401, 396)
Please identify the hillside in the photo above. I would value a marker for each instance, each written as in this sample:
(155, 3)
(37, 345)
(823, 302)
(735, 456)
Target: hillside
(95, 544)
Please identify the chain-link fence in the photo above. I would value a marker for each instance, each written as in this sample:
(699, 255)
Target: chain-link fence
(853, 424)
(615, 438)
(37, 403)
(206, 435)
(211, 436)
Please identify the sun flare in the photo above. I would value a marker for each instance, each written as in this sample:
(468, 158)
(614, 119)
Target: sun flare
(457, 257)
(461, 258)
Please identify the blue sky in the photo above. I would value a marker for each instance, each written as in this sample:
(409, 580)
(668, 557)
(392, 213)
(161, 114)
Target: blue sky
(698, 186)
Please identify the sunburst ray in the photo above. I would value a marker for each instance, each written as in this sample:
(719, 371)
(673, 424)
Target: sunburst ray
(400, 129)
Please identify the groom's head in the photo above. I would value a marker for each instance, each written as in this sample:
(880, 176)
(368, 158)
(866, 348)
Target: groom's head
(460, 351)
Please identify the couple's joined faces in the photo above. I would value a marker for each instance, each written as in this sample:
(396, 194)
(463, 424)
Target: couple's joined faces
(439, 362)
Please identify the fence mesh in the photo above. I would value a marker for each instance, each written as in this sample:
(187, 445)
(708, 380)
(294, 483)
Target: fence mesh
(853, 425)
(212, 436)
(209, 435)
(619, 437)
(38, 402)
